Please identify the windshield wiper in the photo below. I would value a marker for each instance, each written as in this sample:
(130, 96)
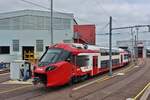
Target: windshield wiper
(43, 63)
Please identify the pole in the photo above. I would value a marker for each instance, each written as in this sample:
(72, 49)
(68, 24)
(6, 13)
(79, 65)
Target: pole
(110, 47)
(137, 42)
(137, 32)
(132, 40)
(51, 20)
(135, 47)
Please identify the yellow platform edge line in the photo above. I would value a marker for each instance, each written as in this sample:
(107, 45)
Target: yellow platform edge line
(141, 92)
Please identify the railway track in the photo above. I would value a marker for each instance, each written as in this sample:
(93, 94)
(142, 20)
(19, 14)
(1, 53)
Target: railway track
(83, 97)
(68, 87)
(32, 92)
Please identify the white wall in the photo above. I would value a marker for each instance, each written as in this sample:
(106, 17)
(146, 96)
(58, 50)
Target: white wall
(28, 38)
(6, 58)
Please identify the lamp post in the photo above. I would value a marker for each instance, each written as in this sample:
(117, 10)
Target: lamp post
(132, 41)
(51, 20)
(110, 47)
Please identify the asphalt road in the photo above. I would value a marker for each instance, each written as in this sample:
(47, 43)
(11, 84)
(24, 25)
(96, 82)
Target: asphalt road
(119, 87)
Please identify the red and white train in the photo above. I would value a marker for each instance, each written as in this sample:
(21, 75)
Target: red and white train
(66, 62)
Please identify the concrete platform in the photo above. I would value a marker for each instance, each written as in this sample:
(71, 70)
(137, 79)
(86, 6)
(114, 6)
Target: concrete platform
(126, 83)
(18, 82)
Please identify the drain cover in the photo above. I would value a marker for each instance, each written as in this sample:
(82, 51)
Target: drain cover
(136, 66)
(120, 74)
(129, 99)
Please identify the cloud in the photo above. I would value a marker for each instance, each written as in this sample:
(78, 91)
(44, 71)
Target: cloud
(124, 12)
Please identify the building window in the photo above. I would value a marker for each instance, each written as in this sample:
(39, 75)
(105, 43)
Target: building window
(39, 45)
(15, 45)
(4, 50)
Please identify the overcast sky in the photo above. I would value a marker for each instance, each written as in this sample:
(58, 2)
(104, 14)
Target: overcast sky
(124, 12)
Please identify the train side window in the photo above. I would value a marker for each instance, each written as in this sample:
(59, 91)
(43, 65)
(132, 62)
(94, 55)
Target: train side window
(104, 63)
(82, 60)
(115, 61)
(125, 57)
(104, 52)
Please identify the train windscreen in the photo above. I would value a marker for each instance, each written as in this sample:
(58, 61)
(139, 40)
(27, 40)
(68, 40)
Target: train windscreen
(53, 56)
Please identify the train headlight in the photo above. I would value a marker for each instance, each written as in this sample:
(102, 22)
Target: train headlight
(50, 68)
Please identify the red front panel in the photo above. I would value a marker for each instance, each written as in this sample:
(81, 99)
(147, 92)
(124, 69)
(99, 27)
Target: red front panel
(60, 76)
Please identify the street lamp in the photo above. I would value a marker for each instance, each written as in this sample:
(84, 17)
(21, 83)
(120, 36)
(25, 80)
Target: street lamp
(51, 20)
(110, 47)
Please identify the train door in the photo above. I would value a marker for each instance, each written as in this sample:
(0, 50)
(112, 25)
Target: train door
(121, 59)
(140, 52)
(95, 65)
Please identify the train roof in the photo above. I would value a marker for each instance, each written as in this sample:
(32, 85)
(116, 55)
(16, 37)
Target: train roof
(77, 47)
(96, 47)
(74, 48)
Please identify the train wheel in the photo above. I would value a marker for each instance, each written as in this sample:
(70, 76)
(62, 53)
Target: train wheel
(83, 78)
(73, 80)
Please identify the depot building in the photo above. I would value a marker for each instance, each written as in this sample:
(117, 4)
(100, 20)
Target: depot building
(141, 49)
(26, 34)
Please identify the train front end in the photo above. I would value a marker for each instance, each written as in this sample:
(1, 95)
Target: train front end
(53, 68)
